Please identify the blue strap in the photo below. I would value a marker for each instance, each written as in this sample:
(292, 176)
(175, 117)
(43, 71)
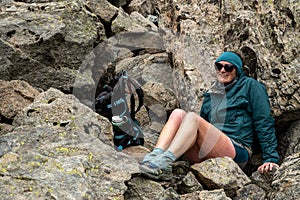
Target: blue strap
(119, 136)
(120, 148)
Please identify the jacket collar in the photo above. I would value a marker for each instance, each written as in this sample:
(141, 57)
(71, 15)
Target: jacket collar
(220, 88)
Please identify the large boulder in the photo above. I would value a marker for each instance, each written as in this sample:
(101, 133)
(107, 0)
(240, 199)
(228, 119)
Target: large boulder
(220, 173)
(59, 149)
(46, 43)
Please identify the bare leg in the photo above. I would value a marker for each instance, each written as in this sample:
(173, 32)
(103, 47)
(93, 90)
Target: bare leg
(200, 140)
(186, 133)
(170, 129)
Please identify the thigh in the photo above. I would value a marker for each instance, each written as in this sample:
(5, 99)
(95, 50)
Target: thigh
(211, 143)
(192, 155)
(169, 130)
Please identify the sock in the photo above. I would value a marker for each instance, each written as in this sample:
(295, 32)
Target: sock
(150, 156)
(164, 160)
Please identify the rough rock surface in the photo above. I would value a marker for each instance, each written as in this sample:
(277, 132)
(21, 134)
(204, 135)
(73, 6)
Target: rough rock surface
(57, 150)
(218, 173)
(286, 181)
(169, 48)
(45, 43)
(15, 95)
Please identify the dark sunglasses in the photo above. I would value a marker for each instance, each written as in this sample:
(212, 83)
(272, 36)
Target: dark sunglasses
(227, 67)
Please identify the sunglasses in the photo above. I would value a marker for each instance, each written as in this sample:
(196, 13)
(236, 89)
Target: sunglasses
(227, 67)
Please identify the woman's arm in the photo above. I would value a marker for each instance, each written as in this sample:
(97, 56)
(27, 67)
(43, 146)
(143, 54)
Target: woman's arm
(263, 124)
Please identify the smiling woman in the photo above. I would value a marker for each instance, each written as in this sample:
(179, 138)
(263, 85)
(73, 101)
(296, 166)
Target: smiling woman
(226, 66)
(236, 108)
(226, 72)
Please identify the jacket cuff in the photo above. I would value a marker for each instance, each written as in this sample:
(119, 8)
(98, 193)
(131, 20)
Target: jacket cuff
(272, 160)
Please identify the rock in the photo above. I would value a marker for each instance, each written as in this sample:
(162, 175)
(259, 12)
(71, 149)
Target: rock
(213, 194)
(15, 95)
(263, 181)
(41, 44)
(5, 128)
(134, 23)
(119, 3)
(151, 138)
(286, 181)
(55, 109)
(220, 173)
(149, 67)
(144, 7)
(189, 184)
(250, 191)
(188, 196)
(289, 140)
(156, 93)
(158, 70)
(142, 41)
(137, 152)
(191, 80)
(170, 194)
(57, 151)
(102, 9)
(142, 188)
(169, 47)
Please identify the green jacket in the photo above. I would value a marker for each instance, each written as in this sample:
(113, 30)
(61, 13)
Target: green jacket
(241, 110)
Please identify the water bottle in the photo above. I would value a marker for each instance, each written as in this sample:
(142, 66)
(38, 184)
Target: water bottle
(121, 138)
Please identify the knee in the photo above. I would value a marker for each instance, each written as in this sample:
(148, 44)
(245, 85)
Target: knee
(178, 114)
(192, 117)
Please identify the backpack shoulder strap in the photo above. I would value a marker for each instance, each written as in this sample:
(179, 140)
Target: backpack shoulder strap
(138, 90)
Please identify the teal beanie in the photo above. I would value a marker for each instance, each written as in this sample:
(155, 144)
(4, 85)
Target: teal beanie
(234, 59)
(231, 57)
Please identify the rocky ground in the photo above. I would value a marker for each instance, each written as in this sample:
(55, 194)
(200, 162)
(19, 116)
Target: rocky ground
(54, 56)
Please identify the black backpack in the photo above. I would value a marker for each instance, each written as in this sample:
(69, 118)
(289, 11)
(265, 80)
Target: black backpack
(112, 104)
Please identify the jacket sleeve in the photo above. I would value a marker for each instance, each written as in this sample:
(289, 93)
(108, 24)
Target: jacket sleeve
(263, 122)
(205, 108)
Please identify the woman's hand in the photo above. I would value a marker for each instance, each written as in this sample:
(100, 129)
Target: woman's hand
(267, 167)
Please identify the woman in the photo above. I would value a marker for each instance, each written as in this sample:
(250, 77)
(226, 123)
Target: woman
(236, 108)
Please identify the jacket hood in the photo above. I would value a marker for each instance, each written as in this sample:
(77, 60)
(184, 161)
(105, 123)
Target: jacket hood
(234, 59)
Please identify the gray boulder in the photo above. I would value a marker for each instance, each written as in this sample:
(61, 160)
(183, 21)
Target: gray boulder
(59, 149)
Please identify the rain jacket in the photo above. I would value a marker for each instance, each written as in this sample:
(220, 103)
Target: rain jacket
(240, 110)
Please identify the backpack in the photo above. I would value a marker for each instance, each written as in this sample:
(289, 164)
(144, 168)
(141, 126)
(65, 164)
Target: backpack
(112, 104)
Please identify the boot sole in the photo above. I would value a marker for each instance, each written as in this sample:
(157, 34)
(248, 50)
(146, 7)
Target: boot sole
(162, 176)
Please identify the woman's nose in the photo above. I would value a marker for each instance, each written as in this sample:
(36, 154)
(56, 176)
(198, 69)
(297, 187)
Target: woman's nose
(222, 70)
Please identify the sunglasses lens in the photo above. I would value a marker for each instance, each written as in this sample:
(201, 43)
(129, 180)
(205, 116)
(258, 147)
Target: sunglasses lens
(218, 66)
(227, 67)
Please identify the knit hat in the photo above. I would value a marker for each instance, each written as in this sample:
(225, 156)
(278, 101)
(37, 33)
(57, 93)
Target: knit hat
(233, 58)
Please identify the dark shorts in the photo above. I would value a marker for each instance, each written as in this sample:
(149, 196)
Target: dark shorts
(242, 154)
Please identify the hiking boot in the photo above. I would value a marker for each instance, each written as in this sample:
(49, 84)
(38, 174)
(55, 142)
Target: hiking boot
(152, 155)
(159, 167)
(155, 173)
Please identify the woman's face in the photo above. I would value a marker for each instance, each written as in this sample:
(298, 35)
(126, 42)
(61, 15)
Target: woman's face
(224, 76)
